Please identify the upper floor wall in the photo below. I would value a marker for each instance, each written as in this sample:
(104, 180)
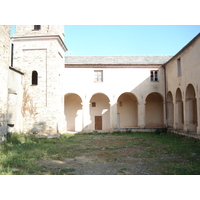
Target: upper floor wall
(184, 68)
(114, 79)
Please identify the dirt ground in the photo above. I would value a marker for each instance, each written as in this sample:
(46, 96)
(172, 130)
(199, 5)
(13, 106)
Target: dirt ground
(109, 155)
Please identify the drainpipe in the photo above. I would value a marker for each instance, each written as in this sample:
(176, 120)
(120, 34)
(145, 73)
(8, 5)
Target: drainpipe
(165, 82)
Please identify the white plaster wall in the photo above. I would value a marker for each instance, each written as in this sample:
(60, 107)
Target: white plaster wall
(115, 83)
(190, 64)
(15, 89)
(4, 68)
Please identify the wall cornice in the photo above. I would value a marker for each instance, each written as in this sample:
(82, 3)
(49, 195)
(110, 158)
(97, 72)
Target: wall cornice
(45, 37)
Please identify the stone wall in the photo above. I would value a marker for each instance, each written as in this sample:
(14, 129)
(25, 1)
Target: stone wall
(42, 107)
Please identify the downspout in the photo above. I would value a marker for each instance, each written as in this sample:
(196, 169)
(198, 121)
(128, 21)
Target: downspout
(165, 82)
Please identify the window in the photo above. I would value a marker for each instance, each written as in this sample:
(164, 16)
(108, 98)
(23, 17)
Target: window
(34, 78)
(98, 76)
(179, 71)
(37, 27)
(154, 76)
(93, 104)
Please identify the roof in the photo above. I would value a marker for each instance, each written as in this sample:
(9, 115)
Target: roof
(117, 60)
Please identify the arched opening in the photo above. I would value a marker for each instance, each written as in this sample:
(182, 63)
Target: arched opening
(179, 110)
(191, 108)
(34, 78)
(170, 110)
(73, 112)
(100, 112)
(127, 109)
(154, 115)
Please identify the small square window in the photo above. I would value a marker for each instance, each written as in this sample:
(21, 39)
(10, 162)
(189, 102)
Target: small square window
(37, 27)
(154, 76)
(98, 76)
(93, 104)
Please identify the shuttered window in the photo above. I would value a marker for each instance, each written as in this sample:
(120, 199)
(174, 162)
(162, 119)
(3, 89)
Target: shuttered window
(98, 76)
(154, 76)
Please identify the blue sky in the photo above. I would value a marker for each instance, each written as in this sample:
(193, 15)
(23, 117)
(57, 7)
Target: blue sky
(127, 39)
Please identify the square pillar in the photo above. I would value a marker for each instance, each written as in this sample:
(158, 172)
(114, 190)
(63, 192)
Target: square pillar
(141, 115)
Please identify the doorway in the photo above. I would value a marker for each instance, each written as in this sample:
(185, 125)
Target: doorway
(98, 122)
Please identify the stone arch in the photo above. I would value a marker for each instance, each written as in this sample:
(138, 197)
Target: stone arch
(191, 108)
(127, 110)
(100, 112)
(154, 112)
(179, 117)
(73, 112)
(170, 110)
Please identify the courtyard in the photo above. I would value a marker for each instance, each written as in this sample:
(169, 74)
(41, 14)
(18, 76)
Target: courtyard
(101, 154)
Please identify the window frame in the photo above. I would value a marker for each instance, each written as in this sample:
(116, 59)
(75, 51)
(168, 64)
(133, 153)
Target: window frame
(98, 76)
(154, 75)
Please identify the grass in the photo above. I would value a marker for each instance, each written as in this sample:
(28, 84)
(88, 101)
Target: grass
(166, 154)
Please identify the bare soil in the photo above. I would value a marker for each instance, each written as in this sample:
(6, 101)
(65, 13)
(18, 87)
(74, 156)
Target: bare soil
(105, 155)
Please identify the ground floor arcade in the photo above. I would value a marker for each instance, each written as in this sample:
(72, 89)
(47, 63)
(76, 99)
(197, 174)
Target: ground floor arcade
(102, 113)
(183, 111)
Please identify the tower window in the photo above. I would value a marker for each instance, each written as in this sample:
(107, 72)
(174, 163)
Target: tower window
(154, 76)
(34, 78)
(37, 27)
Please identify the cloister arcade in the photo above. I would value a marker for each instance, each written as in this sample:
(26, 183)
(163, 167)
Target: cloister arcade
(98, 113)
(182, 111)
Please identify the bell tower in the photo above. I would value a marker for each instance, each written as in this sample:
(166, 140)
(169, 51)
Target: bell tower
(39, 30)
(39, 53)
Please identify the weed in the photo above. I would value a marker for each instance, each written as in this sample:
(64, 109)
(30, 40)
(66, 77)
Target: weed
(122, 170)
(168, 153)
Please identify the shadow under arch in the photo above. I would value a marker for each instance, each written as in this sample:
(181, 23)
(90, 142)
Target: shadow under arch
(179, 117)
(73, 112)
(127, 110)
(170, 109)
(191, 108)
(154, 111)
(100, 112)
